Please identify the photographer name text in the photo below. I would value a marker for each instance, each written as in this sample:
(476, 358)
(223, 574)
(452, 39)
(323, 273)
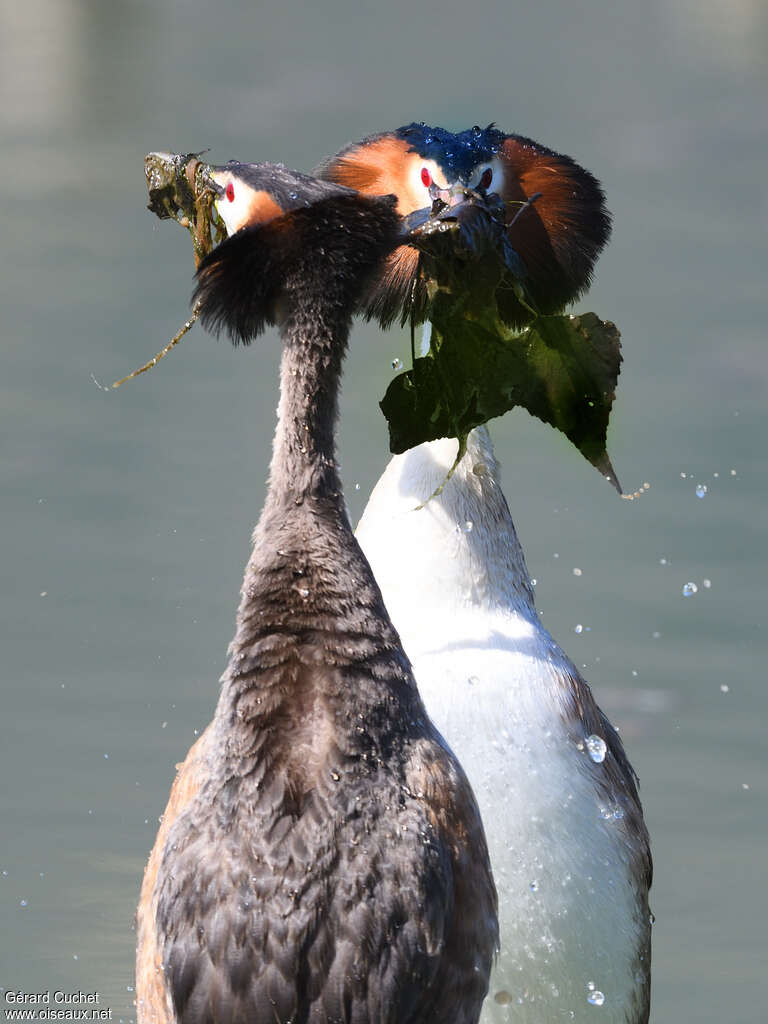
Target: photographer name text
(54, 1005)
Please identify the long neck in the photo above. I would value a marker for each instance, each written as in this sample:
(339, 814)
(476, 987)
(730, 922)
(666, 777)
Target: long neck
(311, 615)
(460, 545)
(304, 451)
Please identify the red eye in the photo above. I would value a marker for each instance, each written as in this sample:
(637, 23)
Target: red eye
(426, 177)
(230, 192)
(486, 178)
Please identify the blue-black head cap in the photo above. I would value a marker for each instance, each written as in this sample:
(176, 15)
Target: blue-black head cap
(457, 153)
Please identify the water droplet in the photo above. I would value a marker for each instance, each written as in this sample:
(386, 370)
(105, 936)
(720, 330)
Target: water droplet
(701, 490)
(468, 525)
(745, 785)
(534, 886)
(533, 581)
(662, 561)
(724, 688)
(106, 757)
(555, 555)
(733, 472)
(502, 998)
(596, 998)
(706, 584)
(303, 592)
(357, 487)
(596, 747)
(577, 572)
(473, 680)
(75, 956)
(397, 364)
(164, 725)
(683, 476)
(689, 589)
(656, 634)
(612, 813)
(578, 629)
(23, 903)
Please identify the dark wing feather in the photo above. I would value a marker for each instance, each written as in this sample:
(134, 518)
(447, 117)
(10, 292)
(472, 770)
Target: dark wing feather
(240, 283)
(375, 923)
(559, 236)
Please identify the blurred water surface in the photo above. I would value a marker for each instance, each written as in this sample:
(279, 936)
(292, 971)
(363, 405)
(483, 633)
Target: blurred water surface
(127, 515)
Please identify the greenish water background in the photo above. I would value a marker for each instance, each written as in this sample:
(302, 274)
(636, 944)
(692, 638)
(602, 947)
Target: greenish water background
(127, 515)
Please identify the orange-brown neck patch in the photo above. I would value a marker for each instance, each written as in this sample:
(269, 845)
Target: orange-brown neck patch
(378, 168)
(262, 207)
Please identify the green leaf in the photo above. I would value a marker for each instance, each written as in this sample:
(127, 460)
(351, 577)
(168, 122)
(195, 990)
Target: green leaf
(562, 369)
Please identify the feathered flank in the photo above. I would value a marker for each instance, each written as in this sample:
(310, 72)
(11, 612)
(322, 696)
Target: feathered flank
(247, 282)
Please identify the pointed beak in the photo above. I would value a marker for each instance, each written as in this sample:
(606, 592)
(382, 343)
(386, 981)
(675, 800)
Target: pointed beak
(212, 184)
(412, 226)
(454, 195)
(473, 215)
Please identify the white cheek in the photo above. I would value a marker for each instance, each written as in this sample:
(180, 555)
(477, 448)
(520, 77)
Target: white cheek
(234, 214)
(497, 181)
(420, 196)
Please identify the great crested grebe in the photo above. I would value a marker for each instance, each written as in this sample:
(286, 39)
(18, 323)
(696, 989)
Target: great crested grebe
(321, 857)
(563, 819)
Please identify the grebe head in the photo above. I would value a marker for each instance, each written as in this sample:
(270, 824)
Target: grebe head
(553, 210)
(280, 224)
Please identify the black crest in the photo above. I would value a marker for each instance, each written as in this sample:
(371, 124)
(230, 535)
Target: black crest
(332, 243)
(458, 153)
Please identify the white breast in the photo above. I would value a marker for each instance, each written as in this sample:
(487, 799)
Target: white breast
(571, 906)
